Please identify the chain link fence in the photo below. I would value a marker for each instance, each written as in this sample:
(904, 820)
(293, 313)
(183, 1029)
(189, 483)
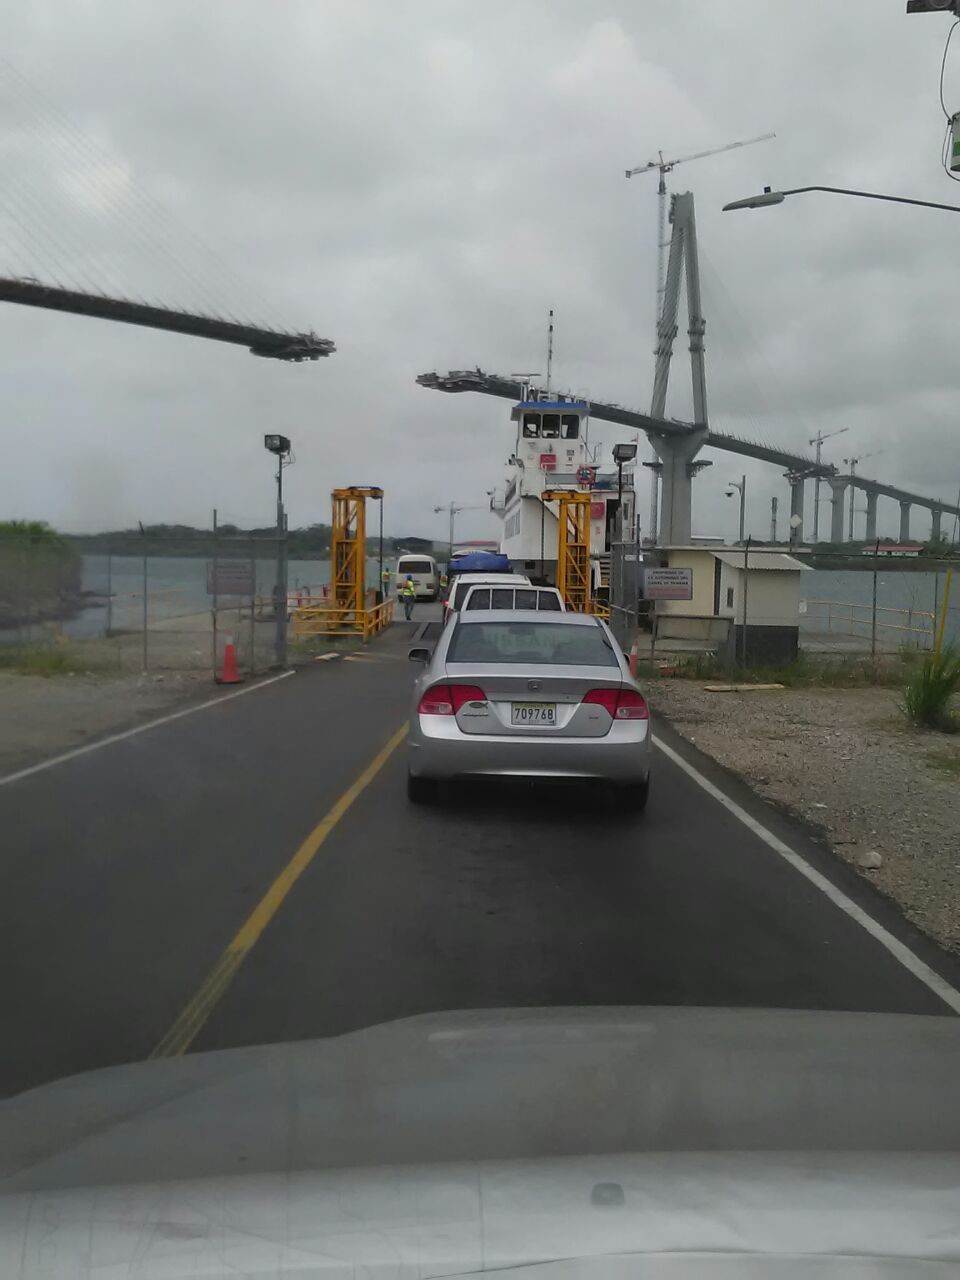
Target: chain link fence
(155, 603)
(626, 591)
(857, 602)
(151, 605)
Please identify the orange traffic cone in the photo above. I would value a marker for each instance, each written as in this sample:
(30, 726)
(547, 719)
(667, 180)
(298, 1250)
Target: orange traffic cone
(229, 674)
(632, 659)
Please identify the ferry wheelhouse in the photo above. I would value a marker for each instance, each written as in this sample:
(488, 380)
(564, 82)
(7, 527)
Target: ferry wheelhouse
(552, 451)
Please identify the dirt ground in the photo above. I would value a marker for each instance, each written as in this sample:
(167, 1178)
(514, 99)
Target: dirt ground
(845, 761)
(44, 716)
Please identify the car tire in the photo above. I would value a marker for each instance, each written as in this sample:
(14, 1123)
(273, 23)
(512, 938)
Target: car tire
(421, 790)
(633, 798)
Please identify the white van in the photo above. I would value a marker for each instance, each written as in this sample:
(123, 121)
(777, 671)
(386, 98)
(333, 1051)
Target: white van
(424, 572)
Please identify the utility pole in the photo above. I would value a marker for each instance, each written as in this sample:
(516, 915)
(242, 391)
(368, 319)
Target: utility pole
(773, 520)
(818, 440)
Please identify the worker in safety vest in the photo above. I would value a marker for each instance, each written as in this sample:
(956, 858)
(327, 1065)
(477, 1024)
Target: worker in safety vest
(443, 582)
(385, 581)
(408, 593)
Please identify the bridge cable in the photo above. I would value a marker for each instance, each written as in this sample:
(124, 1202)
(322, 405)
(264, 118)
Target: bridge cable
(49, 125)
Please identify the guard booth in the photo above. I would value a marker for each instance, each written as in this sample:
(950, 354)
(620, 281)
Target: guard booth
(740, 604)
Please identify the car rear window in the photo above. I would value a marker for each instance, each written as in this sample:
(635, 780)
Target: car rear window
(414, 566)
(535, 642)
(511, 598)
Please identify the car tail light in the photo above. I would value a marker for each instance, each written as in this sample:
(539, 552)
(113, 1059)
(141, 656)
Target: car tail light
(606, 698)
(631, 706)
(619, 704)
(447, 699)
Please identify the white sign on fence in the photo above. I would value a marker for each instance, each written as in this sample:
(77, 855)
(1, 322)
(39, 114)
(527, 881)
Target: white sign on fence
(230, 578)
(668, 584)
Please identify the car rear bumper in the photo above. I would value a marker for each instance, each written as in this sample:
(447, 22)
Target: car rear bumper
(622, 755)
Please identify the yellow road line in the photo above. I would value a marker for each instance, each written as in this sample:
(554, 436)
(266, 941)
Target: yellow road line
(188, 1025)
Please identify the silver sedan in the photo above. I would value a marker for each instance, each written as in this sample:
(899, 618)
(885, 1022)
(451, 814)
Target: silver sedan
(527, 695)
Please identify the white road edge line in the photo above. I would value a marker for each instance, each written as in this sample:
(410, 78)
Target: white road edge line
(899, 950)
(140, 728)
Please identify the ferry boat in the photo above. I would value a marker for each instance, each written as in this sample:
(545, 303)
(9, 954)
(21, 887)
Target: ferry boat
(552, 451)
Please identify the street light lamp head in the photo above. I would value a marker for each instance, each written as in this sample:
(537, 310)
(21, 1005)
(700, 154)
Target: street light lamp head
(276, 444)
(624, 453)
(728, 494)
(757, 202)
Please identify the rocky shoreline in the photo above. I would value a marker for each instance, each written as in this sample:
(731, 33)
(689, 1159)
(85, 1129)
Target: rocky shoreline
(60, 608)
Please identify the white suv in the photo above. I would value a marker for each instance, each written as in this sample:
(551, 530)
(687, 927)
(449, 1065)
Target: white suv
(461, 583)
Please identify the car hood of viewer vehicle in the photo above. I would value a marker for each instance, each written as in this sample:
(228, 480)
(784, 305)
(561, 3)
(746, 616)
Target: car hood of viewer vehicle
(661, 1144)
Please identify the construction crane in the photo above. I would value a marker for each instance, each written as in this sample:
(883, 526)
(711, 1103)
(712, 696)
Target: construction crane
(852, 464)
(668, 166)
(818, 440)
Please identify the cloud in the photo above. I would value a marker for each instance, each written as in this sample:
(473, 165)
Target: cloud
(422, 183)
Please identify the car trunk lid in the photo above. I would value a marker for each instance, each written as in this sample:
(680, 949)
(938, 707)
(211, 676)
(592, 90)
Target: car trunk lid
(541, 701)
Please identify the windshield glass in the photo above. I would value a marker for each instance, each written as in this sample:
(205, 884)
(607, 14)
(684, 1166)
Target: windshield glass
(544, 642)
(292, 842)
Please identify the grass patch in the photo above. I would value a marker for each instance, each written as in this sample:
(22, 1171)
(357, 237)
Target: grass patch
(946, 761)
(46, 660)
(928, 693)
(854, 672)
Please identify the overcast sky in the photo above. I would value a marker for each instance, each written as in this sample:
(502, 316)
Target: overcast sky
(420, 182)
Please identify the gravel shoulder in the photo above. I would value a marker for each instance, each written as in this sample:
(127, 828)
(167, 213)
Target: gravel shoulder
(844, 761)
(42, 716)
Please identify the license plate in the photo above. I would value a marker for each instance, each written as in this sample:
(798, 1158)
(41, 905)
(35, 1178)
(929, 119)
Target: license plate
(534, 713)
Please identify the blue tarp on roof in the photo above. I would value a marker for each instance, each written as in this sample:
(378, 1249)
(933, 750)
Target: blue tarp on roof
(481, 562)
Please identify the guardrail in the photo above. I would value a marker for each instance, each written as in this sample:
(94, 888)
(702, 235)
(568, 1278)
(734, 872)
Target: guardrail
(331, 619)
(842, 617)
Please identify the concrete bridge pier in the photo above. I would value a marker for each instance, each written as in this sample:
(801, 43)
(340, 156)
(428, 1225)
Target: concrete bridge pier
(796, 508)
(838, 489)
(677, 454)
(936, 515)
(905, 521)
(871, 517)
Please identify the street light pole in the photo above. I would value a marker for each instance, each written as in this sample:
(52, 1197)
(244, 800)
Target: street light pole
(454, 511)
(852, 464)
(622, 453)
(383, 594)
(767, 196)
(279, 446)
(741, 485)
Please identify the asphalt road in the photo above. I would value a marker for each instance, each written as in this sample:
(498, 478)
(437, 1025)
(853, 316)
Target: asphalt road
(128, 870)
